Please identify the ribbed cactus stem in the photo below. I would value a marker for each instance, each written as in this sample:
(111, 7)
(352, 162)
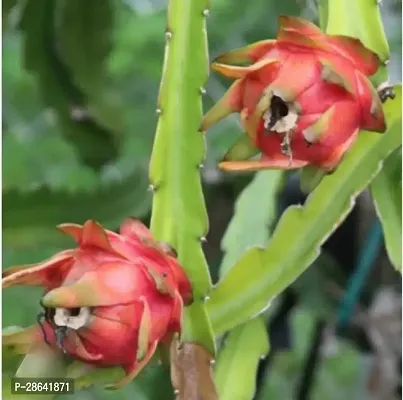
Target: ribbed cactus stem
(179, 214)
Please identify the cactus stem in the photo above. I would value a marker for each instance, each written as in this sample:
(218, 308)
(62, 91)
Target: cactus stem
(177, 153)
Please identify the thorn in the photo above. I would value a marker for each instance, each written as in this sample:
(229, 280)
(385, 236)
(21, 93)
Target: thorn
(206, 298)
(206, 12)
(152, 188)
(203, 91)
(158, 111)
(203, 239)
(263, 357)
(176, 392)
(201, 165)
(168, 35)
(212, 362)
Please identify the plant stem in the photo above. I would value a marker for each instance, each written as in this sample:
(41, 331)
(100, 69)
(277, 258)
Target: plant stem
(179, 214)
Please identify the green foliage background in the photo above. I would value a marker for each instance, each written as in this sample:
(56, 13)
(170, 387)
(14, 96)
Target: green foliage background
(80, 83)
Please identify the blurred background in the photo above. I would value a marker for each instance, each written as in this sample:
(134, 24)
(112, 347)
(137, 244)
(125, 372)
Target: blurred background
(80, 82)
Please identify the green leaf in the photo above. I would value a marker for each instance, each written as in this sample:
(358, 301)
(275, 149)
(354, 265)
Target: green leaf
(94, 144)
(30, 217)
(54, 163)
(138, 43)
(260, 275)
(360, 19)
(179, 214)
(254, 212)
(90, 23)
(21, 100)
(237, 363)
(386, 191)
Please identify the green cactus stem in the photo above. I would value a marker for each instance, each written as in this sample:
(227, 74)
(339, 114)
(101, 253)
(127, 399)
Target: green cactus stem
(179, 214)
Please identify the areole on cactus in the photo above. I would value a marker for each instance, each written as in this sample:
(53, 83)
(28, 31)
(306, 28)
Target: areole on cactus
(110, 301)
(302, 98)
